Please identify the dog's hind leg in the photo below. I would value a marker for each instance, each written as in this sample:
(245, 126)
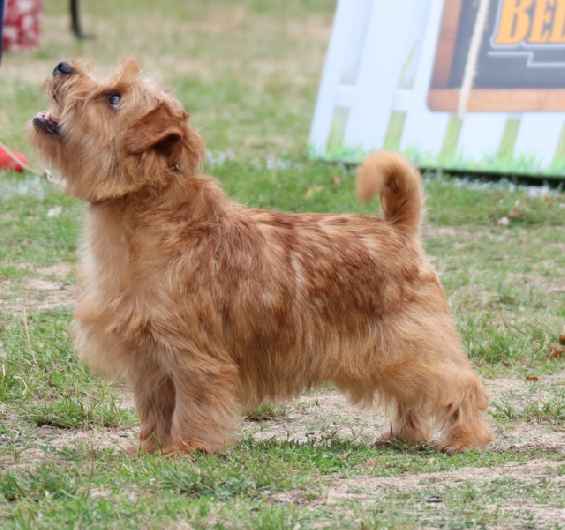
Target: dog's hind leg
(407, 426)
(447, 394)
(429, 379)
(463, 424)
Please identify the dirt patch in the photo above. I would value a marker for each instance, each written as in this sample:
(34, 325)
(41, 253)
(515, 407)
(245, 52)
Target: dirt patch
(49, 288)
(518, 394)
(47, 439)
(36, 284)
(41, 295)
(59, 270)
(365, 489)
(522, 391)
(320, 415)
(429, 496)
(328, 413)
(432, 487)
(529, 436)
(38, 301)
(544, 516)
(317, 416)
(119, 439)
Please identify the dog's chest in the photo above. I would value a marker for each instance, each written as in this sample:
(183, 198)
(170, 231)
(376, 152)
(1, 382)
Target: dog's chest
(107, 270)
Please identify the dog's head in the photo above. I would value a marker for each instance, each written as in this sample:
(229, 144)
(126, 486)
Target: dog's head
(113, 138)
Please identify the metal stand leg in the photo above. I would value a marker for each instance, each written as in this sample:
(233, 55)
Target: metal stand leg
(1, 25)
(76, 26)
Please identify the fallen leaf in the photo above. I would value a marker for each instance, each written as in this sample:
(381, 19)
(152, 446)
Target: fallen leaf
(556, 351)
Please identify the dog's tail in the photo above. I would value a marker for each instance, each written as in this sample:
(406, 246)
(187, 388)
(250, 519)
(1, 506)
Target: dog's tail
(399, 185)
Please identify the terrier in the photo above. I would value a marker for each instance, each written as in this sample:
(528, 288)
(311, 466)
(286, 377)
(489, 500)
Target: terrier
(208, 307)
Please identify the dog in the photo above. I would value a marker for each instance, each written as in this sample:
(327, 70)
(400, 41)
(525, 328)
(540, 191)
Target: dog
(208, 307)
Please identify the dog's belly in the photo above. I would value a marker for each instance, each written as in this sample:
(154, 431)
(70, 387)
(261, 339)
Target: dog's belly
(337, 336)
(289, 306)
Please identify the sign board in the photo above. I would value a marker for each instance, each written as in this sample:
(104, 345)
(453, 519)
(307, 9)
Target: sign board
(475, 85)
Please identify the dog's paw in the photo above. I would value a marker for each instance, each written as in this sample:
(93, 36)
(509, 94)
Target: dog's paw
(132, 450)
(460, 439)
(136, 450)
(386, 440)
(183, 447)
(451, 450)
(453, 447)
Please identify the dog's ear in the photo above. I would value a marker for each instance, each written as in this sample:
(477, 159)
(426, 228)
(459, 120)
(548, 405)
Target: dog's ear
(159, 130)
(129, 70)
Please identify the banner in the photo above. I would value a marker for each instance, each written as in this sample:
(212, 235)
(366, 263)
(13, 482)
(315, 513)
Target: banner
(473, 85)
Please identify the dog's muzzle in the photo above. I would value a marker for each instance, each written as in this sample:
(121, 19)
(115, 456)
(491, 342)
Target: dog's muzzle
(44, 122)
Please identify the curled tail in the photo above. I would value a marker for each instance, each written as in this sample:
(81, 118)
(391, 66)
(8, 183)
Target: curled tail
(399, 185)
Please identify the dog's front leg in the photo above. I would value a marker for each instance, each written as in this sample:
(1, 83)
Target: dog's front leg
(155, 401)
(207, 407)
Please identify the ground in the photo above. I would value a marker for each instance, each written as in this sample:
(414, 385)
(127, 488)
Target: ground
(248, 73)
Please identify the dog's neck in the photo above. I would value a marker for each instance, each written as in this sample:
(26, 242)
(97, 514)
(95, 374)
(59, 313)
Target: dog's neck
(190, 200)
(140, 225)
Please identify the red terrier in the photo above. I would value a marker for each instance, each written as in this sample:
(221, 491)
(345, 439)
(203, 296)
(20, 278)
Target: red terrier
(209, 307)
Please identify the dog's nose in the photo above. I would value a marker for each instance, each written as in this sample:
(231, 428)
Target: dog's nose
(63, 69)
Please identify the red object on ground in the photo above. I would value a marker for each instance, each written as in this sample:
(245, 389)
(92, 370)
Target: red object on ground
(21, 24)
(9, 164)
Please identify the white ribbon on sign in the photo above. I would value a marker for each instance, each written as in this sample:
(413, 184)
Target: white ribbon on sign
(473, 56)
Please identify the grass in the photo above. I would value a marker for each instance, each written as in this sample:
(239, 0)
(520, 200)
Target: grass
(490, 503)
(551, 411)
(267, 411)
(40, 375)
(75, 413)
(245, 483)
(248, 71)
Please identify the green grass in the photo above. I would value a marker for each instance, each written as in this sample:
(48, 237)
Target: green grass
(550, 411)
(490, 340)
(74, 413)
(41, 377)
(246, 482)
(267, 411)
(29, 235)
(489, 503)
(248, 72)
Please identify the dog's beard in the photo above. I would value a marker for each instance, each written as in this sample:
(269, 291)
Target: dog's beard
(55, 178)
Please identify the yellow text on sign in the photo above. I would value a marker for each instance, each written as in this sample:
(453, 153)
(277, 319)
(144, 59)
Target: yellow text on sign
(531, 22)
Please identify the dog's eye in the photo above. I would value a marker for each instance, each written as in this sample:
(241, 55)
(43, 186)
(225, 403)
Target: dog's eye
(114, 100)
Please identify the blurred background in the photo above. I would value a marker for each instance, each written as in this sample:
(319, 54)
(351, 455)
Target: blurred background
(248, 71)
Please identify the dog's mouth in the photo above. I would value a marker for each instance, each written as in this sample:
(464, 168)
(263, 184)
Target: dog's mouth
(47, 124)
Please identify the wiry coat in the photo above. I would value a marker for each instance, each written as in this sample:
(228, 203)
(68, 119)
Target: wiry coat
(209, 307)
